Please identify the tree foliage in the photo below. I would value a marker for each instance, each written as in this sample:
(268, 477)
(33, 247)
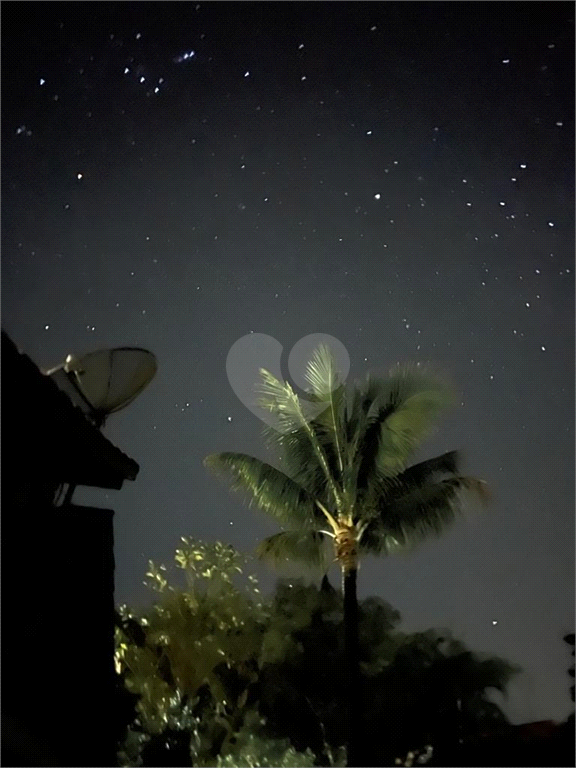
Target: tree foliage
(226, 678)
(346, 488)
(343, 456)
(201, 650)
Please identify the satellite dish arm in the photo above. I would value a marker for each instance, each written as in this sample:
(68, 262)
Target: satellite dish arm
(74, 379)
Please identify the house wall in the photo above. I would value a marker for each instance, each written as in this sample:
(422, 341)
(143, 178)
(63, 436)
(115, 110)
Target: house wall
(58, 679)
(58, 638)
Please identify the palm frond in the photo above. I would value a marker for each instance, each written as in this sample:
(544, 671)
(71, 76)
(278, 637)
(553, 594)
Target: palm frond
(445, 464)
(404, 429)
(400, 416)
(330, 426)
(360, 406)
(268, 488)
(421, 511)
(311, 548)
(281, 400)
(362, 429)
(324, 378)
(294, 414)
(298, 458)
(380, 488)
(322, 373)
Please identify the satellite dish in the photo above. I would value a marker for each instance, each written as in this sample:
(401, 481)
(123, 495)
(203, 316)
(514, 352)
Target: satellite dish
(105, 381)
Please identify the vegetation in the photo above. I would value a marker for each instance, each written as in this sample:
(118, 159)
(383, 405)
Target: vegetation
(215, 675)
(192, 659)
(345, 488)
(221, 677)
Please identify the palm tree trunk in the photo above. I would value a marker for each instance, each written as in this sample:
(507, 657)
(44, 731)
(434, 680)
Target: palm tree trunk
(352, 661)
(347, 555)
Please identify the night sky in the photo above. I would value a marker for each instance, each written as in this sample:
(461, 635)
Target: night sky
(397, 175)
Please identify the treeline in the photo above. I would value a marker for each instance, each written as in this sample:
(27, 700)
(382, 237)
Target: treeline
(216, 675)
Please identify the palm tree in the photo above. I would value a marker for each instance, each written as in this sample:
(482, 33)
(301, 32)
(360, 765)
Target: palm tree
(345, 489)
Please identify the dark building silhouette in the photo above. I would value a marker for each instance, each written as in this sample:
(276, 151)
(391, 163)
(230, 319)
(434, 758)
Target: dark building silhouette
(58, 678)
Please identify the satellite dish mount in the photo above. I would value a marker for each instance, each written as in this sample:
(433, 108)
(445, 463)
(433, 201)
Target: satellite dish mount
(104, 382)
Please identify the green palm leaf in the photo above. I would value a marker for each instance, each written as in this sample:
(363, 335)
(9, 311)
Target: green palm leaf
(322, 373)
(406, 408)
(279, 399)
(445, 464)
(269, 489)
(387, 421)
(383, 488)
(421, 511)
(310, 548)
(298, 458)
(323, 377)
(294, 415)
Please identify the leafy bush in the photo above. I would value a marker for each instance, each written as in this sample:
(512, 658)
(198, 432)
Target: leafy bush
(225, 678)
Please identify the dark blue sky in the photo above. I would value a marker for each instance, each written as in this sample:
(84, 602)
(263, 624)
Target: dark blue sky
(397, 175)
